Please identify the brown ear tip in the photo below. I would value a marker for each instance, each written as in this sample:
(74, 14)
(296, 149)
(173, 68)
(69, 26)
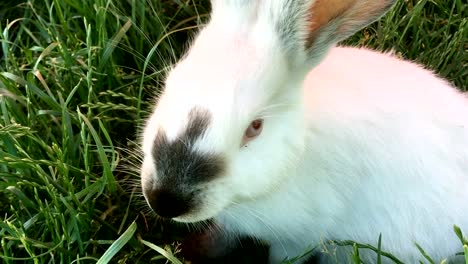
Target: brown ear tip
(390, 3)
(339, 19)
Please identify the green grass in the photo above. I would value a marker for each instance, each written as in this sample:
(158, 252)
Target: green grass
(76, 82)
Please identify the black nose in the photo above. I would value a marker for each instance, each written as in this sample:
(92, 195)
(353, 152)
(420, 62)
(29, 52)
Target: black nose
(168, 203)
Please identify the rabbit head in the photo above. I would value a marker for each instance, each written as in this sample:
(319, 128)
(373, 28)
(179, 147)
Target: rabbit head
(229, 125)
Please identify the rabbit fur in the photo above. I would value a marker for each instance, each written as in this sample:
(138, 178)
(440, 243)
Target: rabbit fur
(355, 143)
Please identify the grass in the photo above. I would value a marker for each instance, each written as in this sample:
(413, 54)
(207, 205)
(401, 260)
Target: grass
(76, 82)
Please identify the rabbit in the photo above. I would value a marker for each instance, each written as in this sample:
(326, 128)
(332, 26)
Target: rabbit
(269, 129)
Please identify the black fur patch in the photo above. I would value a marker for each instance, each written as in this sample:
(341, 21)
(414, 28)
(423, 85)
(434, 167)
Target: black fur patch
(180, 168)
(177, 163)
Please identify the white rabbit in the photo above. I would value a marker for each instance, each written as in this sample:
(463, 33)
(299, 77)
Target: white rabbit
(273, 132)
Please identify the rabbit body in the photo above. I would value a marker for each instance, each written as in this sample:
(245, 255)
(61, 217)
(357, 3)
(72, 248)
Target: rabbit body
(269, 129)
(386, 153)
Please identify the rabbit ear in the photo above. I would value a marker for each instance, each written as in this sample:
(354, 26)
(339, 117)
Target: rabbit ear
(319, 24)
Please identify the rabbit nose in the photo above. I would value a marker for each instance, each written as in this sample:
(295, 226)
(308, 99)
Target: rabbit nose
(167, 203)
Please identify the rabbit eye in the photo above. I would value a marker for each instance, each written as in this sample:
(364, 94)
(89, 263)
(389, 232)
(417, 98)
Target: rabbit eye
(254, 129)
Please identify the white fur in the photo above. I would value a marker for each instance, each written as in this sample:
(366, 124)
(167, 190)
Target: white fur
(368, 144)
(383, 157)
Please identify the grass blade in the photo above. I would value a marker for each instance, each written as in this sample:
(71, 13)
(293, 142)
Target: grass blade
(426, 256)
(465, 250)
(118, 244)
(110, 181)
(169, 256)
